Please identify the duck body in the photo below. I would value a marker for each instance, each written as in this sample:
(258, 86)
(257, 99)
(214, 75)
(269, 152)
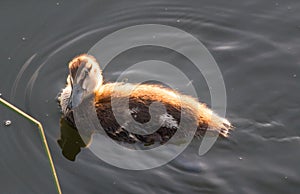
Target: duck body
(116, 101)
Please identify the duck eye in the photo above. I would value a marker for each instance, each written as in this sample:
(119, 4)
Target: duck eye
(86, 72)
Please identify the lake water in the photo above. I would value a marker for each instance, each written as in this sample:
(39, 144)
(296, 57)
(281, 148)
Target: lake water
(256, 45)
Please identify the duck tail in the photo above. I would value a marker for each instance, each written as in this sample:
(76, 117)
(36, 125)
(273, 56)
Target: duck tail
(215, 123)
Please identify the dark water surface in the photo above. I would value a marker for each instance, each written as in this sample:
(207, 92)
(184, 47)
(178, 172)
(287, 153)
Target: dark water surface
(255, 43)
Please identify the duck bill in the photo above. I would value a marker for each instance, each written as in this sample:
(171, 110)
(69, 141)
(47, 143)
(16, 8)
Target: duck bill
(76, 97)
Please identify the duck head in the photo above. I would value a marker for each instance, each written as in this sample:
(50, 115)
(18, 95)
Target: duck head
(85, 77)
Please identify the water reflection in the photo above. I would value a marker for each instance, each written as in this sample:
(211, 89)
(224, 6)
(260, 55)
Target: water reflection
(70, 141)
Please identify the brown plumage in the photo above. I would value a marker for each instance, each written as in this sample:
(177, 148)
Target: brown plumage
(85, 72)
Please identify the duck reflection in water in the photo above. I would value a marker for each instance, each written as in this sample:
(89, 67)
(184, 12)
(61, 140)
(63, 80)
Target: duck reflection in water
(70, 141)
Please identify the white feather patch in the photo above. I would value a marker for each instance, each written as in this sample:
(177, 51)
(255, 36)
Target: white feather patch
(168, 121)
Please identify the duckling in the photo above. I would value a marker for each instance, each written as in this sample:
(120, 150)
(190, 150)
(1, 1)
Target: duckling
(85, 77)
